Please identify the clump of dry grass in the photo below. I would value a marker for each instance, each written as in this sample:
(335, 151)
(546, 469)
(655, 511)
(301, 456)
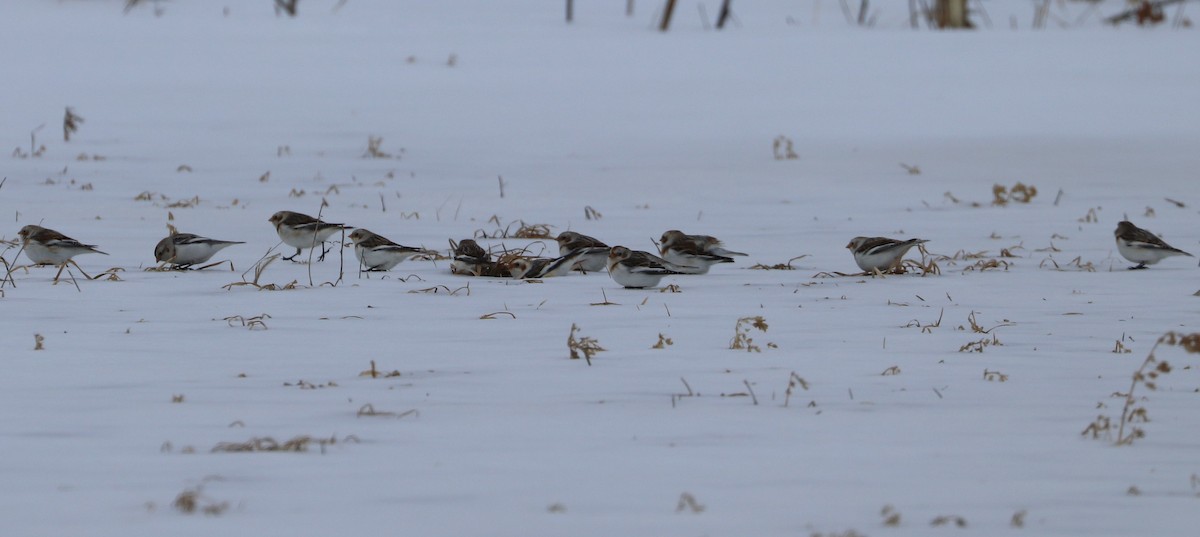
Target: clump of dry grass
(369, 411)
(663, 342)
(794, 381)
(39, 342)
(71, 122)
(741, 334)
(1147, 376)
(943, 520)
(687, 502)
(1074, 265)
(994, 376)
(257, 322)
(585, 346)
(258, 268)
(192, 501)
(778, 266)
(891, 517)
(298, 444)
(375, 373)
(783, 148)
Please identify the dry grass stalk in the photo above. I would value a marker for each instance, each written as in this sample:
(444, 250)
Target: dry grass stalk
(298, 444)
(976, 328)
(369, 411)
(741, 333)
(375, 373)
(585, 345)
(891, 371)
(606, 302)
(258, 322)
(1018, 519)
(442, 288)
(783, 148)
(688, 502)
(978, 346)
(259, 267)
(943, 520)
(794, 380)
(494, 314)
(1101, 426)
(779, 266)
(1120, 348)
(1147, 376)
(1020, 193)
(1091, 217)
(177, 398)
(891, 517)
(912, 170)
(71, 122)
(663, 342)
(591, 214)
(373, 146)
(39, 342)
(994, 376)
(1077, 263)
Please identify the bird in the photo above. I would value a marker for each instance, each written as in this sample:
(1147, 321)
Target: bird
(595, 255)
(470, 258)
(693, 254)
(636, 269)
(880, 253)
(377, 253)
(48, 247)
(542, 267)
(301, 231)
(1141, 246)
(185, 249)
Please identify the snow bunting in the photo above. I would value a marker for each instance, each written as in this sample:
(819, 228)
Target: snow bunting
(185, 249)
(377, 253)
(1141, 246)
(541, 267)
(880, 253)
(636, 269)
(301, 231)
(470, 258)
(595, 256)
(48, 247)
(693, 254)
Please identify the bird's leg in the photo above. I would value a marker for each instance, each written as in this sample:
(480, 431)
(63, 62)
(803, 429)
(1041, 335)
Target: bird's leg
(293, 256)
(1138, 267)
(324, 251)
(61, 268)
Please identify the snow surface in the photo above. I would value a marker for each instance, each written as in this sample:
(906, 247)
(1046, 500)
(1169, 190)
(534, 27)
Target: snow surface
(655, 131)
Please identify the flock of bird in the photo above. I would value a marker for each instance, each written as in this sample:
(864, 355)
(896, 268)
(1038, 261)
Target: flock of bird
(680, 253)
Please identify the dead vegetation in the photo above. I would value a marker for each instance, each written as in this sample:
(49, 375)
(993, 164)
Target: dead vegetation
(1147, 377)
(584, 346)
(368, 410)
(1002, 196)
(257, 322)
(688, 503)
(741, 334)
(794, 381)
(778, 266)
(258, 268)
(375, 373)
(192, 500)
(297, 444)
(783, 148)
(663, 342)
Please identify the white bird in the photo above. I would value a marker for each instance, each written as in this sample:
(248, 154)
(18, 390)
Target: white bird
(1141, 246)
(471, 259)
(880, 253)
(693, 254)
(637, 269)
(595, 255)
(301, 231)
(185, 249)
(377, 253)
(48, 247)
(541, 267)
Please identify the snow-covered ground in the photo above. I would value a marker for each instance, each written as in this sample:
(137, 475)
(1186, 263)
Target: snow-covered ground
(141, 378)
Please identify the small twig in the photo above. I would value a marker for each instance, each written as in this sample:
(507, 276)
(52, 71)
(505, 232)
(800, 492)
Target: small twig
(752, 396)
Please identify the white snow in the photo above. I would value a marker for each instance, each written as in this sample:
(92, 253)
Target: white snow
(655, 131)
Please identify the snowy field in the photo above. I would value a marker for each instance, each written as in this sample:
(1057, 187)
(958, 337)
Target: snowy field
(212, 116)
